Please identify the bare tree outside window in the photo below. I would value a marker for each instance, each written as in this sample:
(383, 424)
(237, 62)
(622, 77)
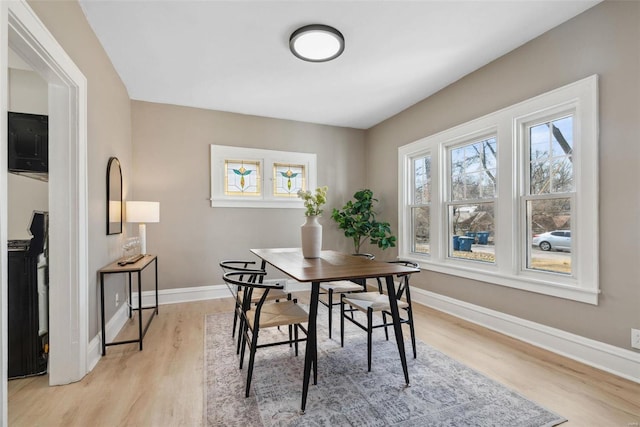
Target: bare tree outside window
(472, 193)
(548, 207)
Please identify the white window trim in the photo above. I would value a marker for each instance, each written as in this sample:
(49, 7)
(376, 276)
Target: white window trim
(267, 158)
(508, 124)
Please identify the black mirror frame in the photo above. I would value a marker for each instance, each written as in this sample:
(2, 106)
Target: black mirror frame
(114, 226)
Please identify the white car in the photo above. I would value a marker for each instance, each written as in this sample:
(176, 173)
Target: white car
(558, 240)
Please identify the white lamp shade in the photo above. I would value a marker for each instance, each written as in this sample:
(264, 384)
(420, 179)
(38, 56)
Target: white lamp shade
(143, 212)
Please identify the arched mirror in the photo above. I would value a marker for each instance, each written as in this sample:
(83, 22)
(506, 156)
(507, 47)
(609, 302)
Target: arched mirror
(114, 197)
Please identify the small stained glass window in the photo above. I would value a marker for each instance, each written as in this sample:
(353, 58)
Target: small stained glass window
(242, 178)
(288, 179)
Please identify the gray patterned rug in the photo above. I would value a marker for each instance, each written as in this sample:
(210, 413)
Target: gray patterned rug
(443, 391)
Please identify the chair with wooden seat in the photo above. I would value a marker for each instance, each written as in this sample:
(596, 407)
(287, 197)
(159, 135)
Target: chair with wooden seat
(260, 316)
(246, 267)
(378, 302)
(340, 287)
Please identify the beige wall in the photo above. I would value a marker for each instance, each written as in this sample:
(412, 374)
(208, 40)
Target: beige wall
(172, 166)
(109, 134)
(605, 41)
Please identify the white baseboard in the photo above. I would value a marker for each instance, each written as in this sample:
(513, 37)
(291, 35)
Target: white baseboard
(113, 326)
(615, 360)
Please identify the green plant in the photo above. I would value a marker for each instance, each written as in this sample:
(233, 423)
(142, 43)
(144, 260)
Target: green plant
(358, 220)
(313, 202)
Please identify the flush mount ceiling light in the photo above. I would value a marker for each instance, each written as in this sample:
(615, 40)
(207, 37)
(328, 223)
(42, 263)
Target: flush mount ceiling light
(316, 43)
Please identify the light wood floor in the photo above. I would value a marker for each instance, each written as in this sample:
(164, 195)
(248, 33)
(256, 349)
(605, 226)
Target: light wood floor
(163, 384)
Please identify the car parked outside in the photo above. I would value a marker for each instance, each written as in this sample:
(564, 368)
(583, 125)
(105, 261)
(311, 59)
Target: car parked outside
(557, 239)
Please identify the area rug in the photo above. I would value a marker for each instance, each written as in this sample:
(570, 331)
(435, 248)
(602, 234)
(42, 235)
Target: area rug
(443, 392)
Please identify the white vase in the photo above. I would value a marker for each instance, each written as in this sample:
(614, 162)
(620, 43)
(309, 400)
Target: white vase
(311, 233)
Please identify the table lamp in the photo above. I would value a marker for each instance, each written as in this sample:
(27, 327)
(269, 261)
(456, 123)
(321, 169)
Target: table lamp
(143, 213)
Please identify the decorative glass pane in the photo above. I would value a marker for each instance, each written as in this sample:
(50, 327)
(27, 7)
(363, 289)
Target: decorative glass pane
(288, 179)
(473, 170)
(420, 229)
(242, 178)
(422, 180)
(549, 235)
(471, 232)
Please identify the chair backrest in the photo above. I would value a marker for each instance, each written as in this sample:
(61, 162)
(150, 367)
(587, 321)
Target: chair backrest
(250, 280)
(403, 284)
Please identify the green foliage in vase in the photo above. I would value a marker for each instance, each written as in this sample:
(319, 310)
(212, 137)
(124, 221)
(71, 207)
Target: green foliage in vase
(313, 202)
(358, 220)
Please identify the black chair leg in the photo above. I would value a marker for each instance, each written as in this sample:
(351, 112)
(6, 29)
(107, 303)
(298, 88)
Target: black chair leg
(330, 301)
(241, 330)
(369, 336)
(290, 342)
(295, 337)
(341, 321)
(235, 321)
(252, 356)
(384, 321)
(242, 335)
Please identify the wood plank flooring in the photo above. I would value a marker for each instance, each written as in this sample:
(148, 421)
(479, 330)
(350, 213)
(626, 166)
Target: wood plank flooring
(163, 384)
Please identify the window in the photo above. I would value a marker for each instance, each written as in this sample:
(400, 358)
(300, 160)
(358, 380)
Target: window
(549, 193)
(421, 194)
(509, 198)
(471, 199)
(249, 177)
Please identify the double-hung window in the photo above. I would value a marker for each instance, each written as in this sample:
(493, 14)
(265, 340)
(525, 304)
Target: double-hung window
(510, 198)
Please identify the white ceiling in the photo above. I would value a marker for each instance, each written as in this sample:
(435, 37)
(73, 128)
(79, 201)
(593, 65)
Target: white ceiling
(234, 55)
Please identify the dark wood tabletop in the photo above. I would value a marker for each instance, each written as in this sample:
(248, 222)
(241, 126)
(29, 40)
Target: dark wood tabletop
(330, 266)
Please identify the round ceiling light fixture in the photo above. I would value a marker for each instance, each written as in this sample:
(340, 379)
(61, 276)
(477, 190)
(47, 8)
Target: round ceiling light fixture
(316, 43)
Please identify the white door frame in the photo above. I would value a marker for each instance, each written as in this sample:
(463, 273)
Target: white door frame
(22, 30)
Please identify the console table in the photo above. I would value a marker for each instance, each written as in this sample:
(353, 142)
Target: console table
(136, 267)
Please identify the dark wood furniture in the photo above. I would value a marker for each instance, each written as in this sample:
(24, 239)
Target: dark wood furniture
(137, 267)
(331, 266)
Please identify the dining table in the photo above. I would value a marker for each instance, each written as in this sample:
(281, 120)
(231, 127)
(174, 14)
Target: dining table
(331, 266)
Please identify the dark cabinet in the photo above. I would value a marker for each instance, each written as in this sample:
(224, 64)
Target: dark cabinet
(26, 348)
(28, 143)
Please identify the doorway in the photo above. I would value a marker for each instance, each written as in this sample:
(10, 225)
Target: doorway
(25, 34)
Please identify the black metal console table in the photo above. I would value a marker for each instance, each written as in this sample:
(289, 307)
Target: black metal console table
(136, 267)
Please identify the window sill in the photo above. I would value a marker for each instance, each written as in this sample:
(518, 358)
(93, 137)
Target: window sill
(537, 285)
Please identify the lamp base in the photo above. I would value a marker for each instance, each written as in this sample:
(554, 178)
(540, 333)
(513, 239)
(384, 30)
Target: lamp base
(142, 232)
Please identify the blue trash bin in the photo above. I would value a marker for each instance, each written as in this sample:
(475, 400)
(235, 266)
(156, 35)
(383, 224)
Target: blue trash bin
(465, 243)
(456, 243)
(472, 234)
(483, 237)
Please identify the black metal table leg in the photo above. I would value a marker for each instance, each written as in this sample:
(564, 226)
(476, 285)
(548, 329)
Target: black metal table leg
(310, 356)
(156, 265)
(397, 326)
(104, 337)
(140, 308)
(129, 301)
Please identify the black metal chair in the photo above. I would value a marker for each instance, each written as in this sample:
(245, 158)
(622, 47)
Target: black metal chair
(261, 316)
(340, 287)
(371, 302)
(246, 267)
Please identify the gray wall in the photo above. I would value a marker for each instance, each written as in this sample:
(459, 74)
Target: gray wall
(172, 166)
(604, 40)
